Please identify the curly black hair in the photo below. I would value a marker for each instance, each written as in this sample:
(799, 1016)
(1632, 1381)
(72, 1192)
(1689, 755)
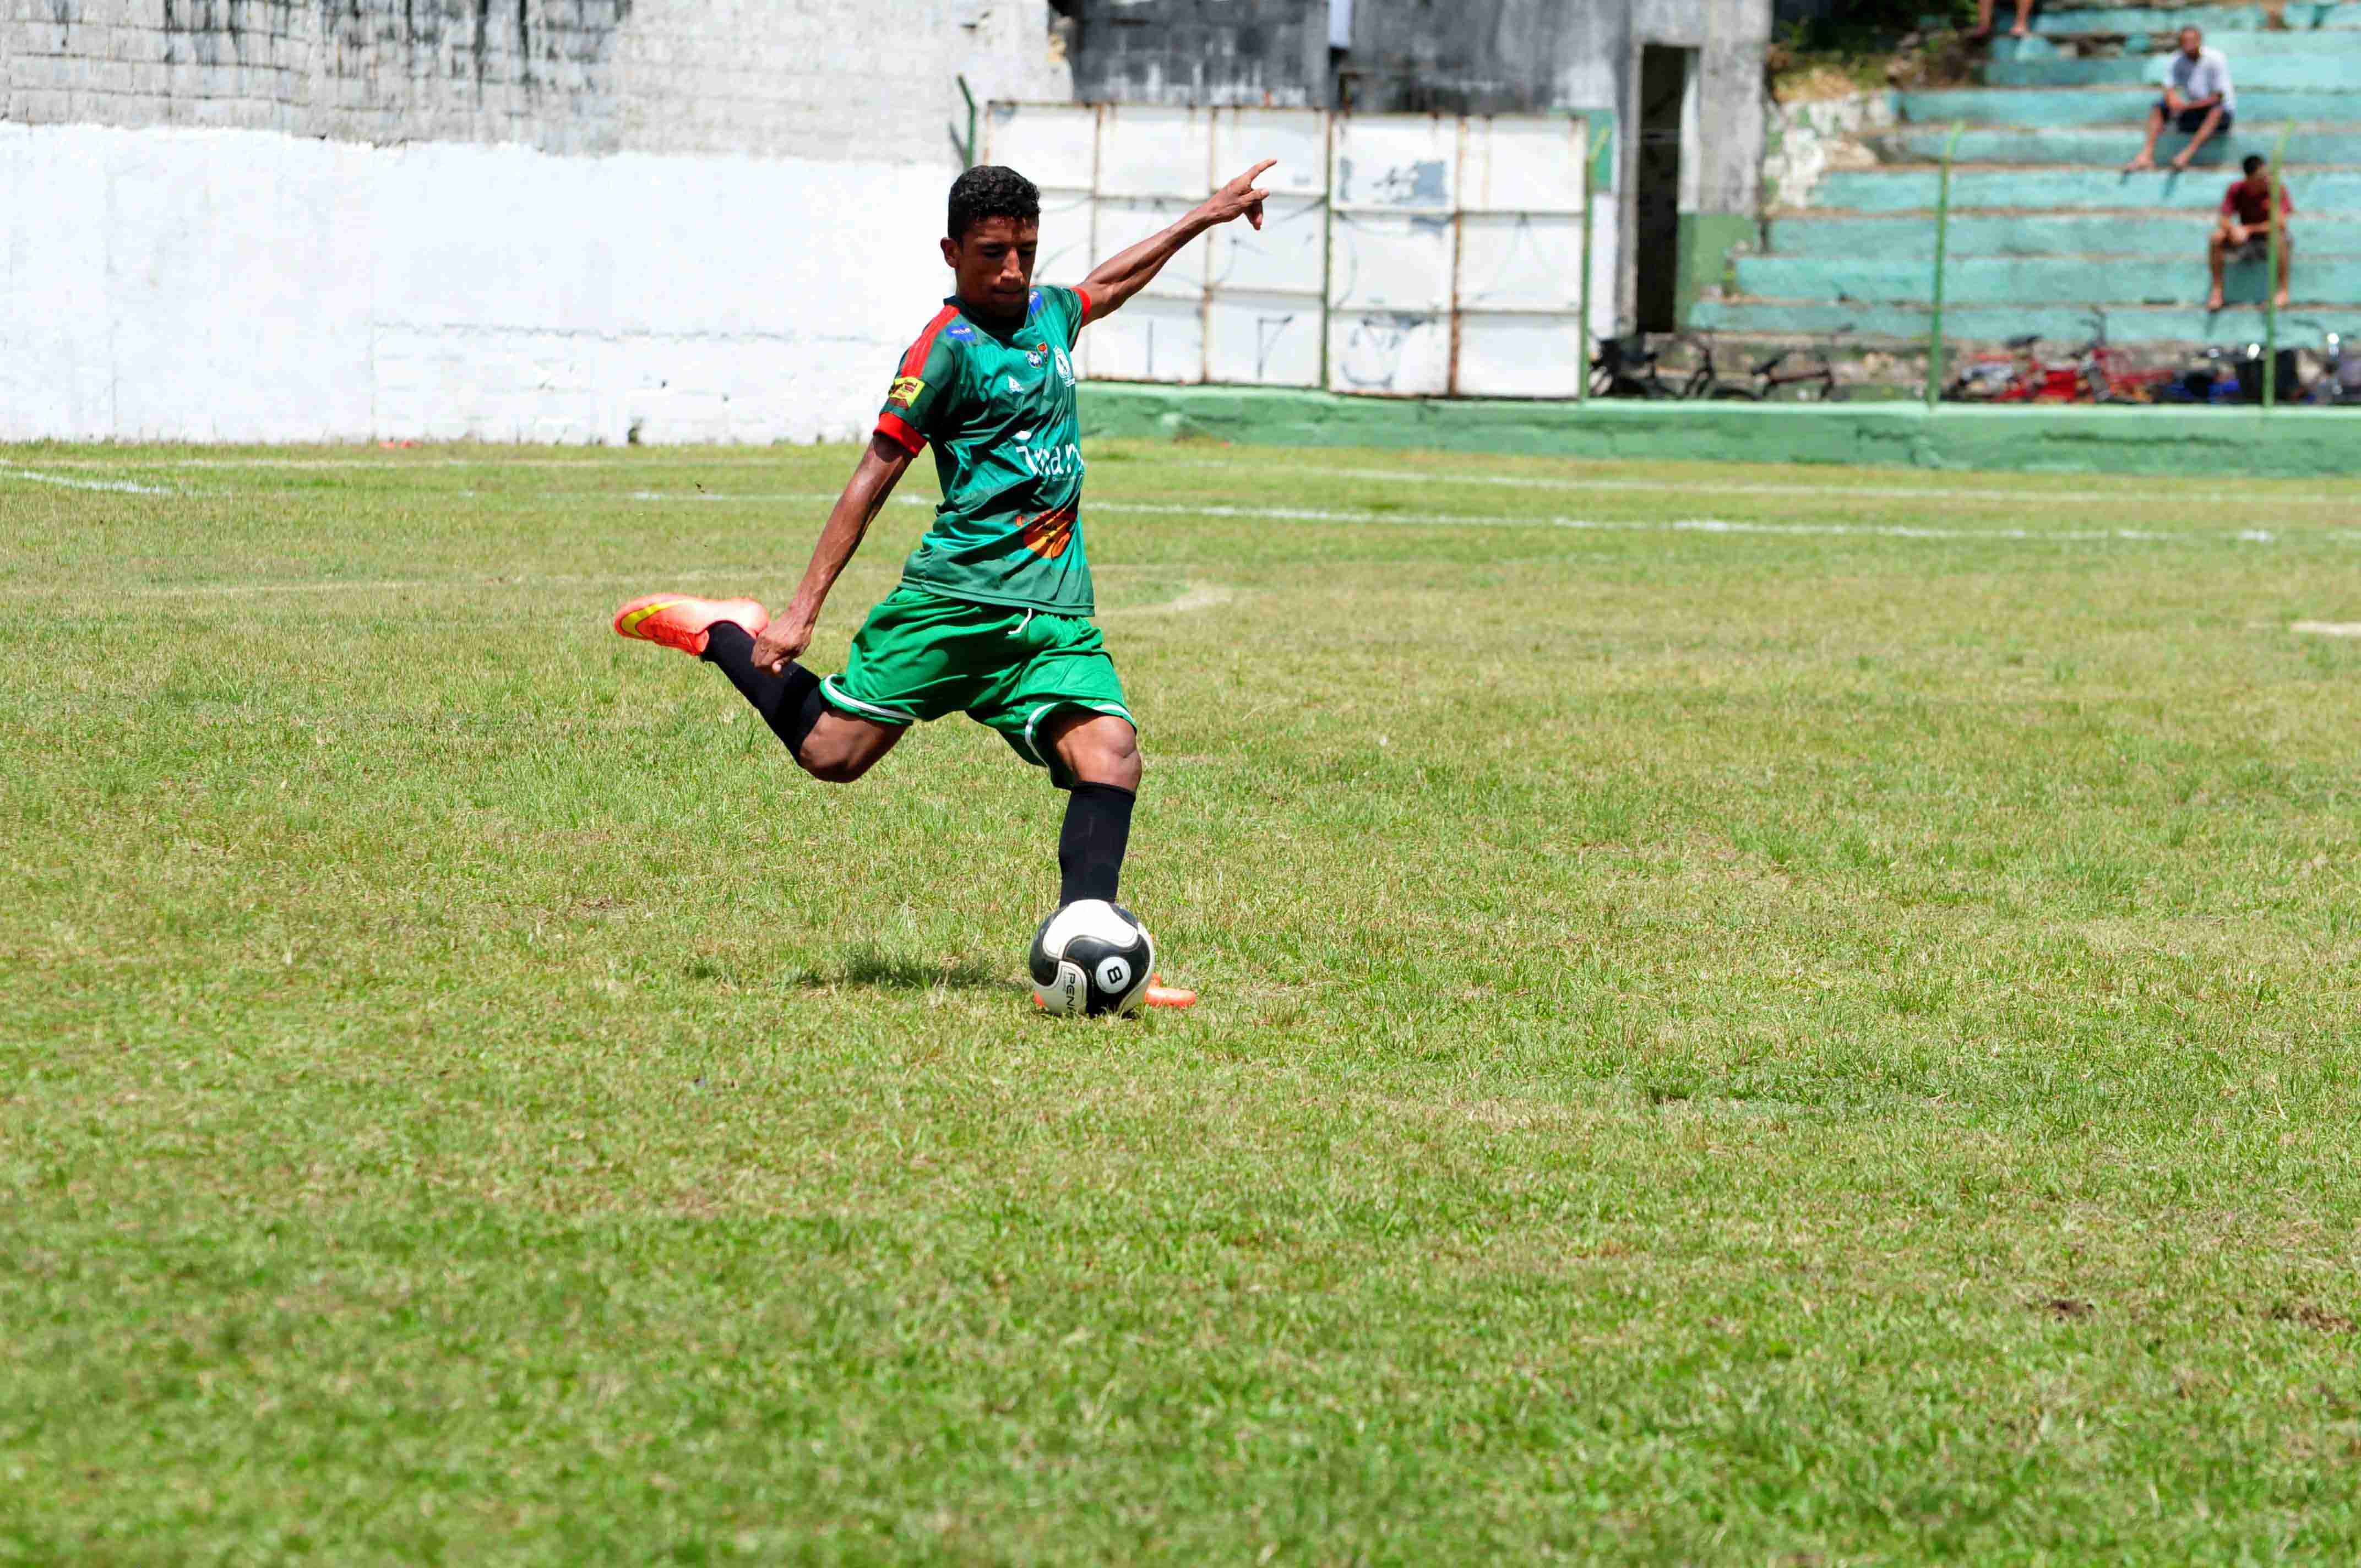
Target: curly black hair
(989, 191)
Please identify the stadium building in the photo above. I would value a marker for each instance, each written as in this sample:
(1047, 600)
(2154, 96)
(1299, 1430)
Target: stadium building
(612, 220)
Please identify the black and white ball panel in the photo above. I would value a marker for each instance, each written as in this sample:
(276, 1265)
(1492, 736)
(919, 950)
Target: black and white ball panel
(1091, 957)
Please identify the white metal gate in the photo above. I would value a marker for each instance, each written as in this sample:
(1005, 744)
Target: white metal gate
(1403, 254)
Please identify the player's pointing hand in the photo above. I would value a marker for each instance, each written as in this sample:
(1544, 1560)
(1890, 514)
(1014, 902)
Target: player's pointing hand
(1241, 197)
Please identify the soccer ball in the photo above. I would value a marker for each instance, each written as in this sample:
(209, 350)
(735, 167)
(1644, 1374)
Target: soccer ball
(1091, 956)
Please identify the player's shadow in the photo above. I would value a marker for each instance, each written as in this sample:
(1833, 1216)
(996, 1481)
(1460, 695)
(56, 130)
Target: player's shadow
(874, 967)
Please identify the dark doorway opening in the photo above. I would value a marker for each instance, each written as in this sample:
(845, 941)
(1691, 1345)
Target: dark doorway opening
(1663, 93)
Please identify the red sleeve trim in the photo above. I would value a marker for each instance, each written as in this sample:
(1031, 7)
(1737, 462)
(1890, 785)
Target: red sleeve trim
(897, 429)
(913, 363)
(1083, 295)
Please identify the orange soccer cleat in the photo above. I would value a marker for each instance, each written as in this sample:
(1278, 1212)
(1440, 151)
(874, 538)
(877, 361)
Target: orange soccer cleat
(1162, 995)
(678, 621)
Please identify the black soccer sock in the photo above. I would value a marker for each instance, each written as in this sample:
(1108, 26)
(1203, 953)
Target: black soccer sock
(1091, 845)
(789, 704)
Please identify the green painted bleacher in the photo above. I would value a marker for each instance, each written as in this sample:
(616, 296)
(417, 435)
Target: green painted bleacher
(2045, 224)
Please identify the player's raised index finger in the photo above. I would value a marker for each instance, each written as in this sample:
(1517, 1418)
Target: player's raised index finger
(1251, 175)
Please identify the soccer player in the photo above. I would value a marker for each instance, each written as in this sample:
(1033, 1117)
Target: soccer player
(993, 616)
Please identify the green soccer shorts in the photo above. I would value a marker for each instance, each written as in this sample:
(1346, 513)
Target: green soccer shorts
(921, 655)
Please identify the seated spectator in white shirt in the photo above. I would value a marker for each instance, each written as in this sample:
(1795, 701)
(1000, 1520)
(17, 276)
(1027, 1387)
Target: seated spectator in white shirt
(2198, 98)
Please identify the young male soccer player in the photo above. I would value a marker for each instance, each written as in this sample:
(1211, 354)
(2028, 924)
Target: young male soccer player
(993, 614)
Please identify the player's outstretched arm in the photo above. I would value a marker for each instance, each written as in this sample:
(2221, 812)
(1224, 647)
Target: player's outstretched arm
(1126, 272)
(880, 469)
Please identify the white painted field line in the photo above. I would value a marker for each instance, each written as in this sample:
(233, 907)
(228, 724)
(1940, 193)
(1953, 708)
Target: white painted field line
(121, 487)
(1588, 525)
(391, 465)
(1995, 494)
(1245, 464)
(455, 585)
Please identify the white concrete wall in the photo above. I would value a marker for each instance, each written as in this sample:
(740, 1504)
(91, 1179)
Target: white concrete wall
(819, 79)
(245, 285)
(708, 220)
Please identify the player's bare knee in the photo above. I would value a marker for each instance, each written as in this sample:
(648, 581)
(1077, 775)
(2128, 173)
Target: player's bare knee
(1122, 768)
(832, 761)
(1102, 748)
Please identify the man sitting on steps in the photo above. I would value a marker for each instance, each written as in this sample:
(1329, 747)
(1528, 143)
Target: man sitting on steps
(2245, 231)
(2198, 98)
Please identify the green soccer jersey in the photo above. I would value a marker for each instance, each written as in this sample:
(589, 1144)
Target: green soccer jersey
(997, 404)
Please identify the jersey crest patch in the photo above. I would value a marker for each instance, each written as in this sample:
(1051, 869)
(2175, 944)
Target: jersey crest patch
(905, 391)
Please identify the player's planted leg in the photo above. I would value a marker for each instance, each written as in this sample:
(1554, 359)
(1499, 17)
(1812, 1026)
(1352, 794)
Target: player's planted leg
(1100, 754)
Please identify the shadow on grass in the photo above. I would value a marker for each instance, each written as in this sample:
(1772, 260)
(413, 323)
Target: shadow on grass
(872, 967)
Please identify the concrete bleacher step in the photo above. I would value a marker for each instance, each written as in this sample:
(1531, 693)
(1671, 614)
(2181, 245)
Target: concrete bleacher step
(2313, 188)
(1911, 236)
(2070, 108)
(2042, 219)
(2310, 72)
(2311, 143)
(1997, 279)
(2240, 44)
(2131, 21)
(2060, 324)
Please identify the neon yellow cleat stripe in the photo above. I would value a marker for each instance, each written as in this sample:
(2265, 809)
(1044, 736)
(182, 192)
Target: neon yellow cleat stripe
(631, 623)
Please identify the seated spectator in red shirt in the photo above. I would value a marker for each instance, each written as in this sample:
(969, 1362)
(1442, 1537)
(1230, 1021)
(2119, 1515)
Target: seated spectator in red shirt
(2245, 231)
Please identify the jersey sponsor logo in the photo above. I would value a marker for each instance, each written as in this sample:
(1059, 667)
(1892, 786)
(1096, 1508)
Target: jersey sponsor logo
(1036, 356)
(905, 391)
(1054, 461)
(1047, 533)
(1065, 366)
(960, 330)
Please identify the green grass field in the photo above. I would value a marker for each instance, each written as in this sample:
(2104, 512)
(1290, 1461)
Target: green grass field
(1751, 1015)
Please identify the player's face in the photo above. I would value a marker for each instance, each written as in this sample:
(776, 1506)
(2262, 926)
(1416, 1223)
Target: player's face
(2191, 41)
(993, 264)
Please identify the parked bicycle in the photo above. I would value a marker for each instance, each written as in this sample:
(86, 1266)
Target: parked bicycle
(2095, 373)
(1814, 383)
(1627, 368)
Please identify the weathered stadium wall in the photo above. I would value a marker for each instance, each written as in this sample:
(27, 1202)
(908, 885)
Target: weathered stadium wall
(1469, 57)
(514, 219)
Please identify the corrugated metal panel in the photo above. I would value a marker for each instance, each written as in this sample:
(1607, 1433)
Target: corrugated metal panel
(1400, 254)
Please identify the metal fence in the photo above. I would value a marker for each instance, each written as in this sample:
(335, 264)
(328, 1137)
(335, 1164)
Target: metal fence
(1409, 255)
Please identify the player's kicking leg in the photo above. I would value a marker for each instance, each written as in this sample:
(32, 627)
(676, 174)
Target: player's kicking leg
(1099, 752)
(832, 747)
